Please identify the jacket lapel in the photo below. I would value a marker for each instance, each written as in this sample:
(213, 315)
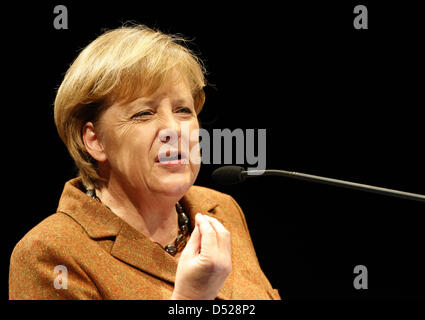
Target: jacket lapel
(135, 249)
(130, 246)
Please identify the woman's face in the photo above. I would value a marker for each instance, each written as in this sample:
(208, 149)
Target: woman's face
(137, 136)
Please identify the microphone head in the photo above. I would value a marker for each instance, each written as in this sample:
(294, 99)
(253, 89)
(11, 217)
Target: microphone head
(228, 175)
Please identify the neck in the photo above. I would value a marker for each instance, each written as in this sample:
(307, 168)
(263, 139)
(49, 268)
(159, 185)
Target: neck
(152, 214)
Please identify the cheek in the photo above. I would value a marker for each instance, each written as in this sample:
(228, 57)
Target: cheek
(140, 143)
(194, 148)
(130, 148)
(195, 170)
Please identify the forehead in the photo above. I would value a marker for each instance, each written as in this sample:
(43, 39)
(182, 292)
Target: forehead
(175, 90)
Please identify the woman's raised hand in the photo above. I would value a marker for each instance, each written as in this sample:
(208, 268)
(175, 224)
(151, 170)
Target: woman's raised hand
(206, 261)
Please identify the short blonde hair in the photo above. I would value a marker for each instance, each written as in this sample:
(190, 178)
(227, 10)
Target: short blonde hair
(121, 64)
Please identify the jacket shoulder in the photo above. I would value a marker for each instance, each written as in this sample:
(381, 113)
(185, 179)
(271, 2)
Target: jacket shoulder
(56, 233)
(208, 193)
(54, 242)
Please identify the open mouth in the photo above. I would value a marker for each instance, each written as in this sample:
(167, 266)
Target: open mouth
(170, 157)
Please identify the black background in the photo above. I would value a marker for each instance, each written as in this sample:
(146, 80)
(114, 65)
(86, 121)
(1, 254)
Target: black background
(335, 101)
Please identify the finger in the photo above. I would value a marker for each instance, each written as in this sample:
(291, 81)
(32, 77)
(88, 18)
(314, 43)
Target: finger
(208, 236)
(223, 235)
(194, 244)
(217, 225)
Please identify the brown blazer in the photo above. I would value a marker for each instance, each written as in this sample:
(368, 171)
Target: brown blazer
(106, 258)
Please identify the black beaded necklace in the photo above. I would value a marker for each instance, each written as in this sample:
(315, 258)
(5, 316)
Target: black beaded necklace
(183, 221)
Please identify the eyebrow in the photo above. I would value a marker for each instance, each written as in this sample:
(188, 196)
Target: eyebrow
(153, 103)
(183, 101)
(143, 101)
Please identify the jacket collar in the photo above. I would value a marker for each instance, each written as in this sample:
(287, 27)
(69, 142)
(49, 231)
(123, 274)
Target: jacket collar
(131, 246)
(96, 219)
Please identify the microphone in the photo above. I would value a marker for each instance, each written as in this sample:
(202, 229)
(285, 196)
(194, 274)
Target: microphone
(229, 175)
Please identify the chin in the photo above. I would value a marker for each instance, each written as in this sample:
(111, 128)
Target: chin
(175, 185)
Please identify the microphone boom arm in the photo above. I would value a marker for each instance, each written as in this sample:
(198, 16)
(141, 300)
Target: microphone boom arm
(336, 182)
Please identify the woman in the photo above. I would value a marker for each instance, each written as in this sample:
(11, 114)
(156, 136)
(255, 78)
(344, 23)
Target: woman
(132, 225)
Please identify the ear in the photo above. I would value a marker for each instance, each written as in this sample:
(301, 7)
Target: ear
(92, 143)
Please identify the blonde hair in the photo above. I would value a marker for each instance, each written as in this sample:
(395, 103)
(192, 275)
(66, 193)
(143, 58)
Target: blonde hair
(121, 64)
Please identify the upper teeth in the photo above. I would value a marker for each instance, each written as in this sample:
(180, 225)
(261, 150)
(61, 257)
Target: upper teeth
(169, 158)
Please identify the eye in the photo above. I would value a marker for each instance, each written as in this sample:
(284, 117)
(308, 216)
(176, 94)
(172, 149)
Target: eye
(142, 114)
(184, 110)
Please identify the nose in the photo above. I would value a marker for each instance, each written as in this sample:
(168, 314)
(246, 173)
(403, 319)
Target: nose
(167, 135)
(170, 129)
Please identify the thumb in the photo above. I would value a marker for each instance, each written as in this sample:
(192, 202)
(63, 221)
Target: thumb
(194, 244)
